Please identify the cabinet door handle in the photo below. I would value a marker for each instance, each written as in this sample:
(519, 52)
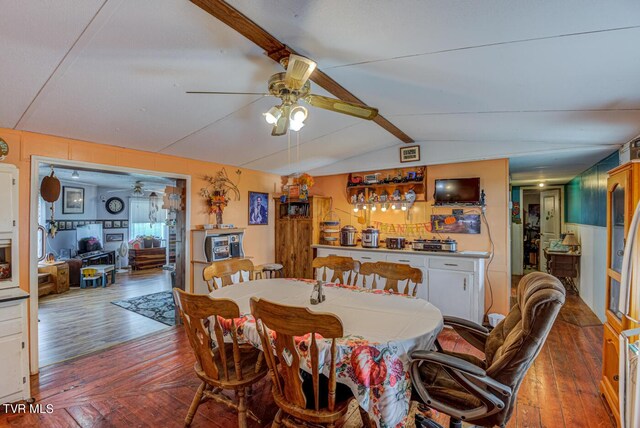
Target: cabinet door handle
(616, 378)
(465, 284)
(450, 264)
(406, 261)
(367, 258)
(331, 254)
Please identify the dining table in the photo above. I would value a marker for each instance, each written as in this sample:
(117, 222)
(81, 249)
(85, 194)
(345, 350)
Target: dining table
(381, 329)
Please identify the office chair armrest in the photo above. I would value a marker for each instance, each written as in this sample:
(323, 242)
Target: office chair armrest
(450, 361)
(475, 334)
(469, 376)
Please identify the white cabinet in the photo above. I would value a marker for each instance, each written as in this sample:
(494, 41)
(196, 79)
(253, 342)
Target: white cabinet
(14, 370)
(451, 292)
(8, 189)
(452, 283)
(14, 348)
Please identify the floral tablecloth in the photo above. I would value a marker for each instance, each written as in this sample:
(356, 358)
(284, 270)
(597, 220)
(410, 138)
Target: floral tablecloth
(381, 330)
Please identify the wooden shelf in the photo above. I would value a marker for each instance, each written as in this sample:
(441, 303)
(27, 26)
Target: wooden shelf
(418, 186)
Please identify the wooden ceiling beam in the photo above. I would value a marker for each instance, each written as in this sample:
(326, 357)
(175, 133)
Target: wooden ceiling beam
(277, 50)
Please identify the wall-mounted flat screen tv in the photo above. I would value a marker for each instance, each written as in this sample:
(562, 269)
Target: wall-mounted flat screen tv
(457, 191)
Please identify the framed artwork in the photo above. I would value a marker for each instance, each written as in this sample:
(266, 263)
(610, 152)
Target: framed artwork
(125, 223)
(294, 191)
(115, 237)
(108, 224)
(62, 225)
(116, 224)
(258, 208)
(81, 223)
(72, 200)
(466, 223)
(75, 224)
(69, 225)
(410, 154)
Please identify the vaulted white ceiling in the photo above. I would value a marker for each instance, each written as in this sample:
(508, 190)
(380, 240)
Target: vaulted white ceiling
(551, 85)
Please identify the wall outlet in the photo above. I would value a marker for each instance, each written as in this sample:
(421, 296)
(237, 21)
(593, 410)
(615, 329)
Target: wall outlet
(457, 212)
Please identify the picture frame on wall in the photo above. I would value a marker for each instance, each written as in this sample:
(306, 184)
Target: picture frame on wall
(69, 225)
(116, 224)
(115, 237)
(258, 208)
(72, 200)
(125, 223)
(62, 225)
(410, 154)
(108, 224)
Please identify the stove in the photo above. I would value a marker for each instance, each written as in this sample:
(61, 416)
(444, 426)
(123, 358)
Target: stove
(445, 245)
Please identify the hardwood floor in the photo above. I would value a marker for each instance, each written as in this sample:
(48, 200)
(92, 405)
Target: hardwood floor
(149, 382)
(82, 321)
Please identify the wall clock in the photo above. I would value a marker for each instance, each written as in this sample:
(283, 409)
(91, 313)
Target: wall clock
(114, 205)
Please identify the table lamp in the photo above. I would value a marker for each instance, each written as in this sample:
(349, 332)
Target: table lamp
(571, 241)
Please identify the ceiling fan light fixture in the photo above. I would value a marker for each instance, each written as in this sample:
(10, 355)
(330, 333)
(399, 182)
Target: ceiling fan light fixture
(75, 175)
(295, 125)
(298, 114)
(272, 115)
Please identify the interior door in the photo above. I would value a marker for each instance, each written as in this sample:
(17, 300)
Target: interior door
(550, 219)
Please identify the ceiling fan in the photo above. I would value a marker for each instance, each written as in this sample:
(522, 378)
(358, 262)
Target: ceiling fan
(292, 86)
(137, 189)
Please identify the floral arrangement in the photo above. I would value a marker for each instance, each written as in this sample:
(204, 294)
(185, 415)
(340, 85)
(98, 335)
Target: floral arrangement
(304, 180)
(219, 191)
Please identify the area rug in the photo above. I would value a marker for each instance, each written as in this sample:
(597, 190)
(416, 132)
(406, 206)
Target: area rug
(157, 306)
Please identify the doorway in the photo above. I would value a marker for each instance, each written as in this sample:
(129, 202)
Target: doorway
(540, 221)
(107, 218)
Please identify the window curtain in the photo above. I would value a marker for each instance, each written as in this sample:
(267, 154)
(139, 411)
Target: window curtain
(139, 219)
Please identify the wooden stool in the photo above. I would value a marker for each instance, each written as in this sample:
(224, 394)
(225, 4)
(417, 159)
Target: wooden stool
(258, 270)
(272, 270)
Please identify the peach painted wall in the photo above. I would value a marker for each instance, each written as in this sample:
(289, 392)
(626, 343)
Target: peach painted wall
(494, 179)
(259, 240)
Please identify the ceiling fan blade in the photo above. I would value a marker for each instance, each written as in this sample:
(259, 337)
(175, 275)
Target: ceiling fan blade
(282, 125)
(299, 70)
(228, 93)
(353, 109)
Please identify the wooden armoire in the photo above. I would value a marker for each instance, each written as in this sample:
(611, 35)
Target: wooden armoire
(623, 194)
(297, 228)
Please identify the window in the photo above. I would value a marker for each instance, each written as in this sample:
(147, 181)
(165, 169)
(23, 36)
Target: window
(139, 223)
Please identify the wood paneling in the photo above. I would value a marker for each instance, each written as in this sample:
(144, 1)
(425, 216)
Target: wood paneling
(82, 321)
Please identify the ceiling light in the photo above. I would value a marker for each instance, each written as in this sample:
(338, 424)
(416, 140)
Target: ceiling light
(355, 209)
(298, 114)
(294, 125)
(540, 184)
(393, 206)
(373, 208)
(272, 115)
(403, 207)
(75, 175)
(383, 207)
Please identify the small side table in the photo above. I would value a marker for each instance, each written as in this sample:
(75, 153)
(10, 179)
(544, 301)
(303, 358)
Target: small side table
(563, 266)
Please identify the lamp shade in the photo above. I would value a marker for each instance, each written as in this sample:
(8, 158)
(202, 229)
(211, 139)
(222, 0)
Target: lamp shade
(570, 239)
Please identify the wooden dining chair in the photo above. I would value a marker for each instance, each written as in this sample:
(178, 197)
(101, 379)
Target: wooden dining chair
(392, 273)
(228, 366)
(318, 400)
(220, 274)
(345, 269)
